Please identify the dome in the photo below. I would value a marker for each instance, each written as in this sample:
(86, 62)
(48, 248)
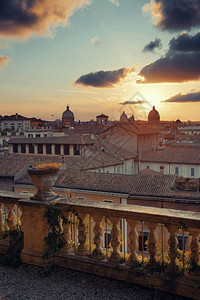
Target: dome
(132, 118)
(123, 117)
(68, 117)
(153, 116)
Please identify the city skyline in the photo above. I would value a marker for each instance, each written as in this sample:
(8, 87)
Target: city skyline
(100, 57)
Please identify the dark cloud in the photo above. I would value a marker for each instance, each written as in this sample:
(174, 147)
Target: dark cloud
(133, 102)
(185, 43)
(3, 61)
(190, 97)
(175, 15)
(104, 79)
(151, 46)
(21, 18)
(180, 64)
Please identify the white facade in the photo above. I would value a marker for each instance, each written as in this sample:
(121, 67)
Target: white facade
(185, 170)
(15, 125)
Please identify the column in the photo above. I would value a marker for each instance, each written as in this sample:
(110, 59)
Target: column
(81, 235)
(27, 148)
(194, 246)
(61, 149)
(53, 149)
(133, 240)
(97, 252)
(115, 256)
(71, 150)
(35, 149)
(67, 233)
(172, 242)
(44, 149)
(152, 241)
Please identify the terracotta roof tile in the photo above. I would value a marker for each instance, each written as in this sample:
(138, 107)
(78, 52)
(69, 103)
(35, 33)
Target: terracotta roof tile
(174, 154)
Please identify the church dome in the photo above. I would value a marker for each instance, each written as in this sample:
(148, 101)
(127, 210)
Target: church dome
(123, 117)
(153, 116)
(68, 117)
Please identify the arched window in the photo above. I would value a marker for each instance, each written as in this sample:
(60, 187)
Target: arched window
(12, 127)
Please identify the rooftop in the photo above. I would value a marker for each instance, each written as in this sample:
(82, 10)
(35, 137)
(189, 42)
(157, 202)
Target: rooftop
(67, 139)
(186, 154)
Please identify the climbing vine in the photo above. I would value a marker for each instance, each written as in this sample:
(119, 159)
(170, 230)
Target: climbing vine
(16, 245)
(55, 239)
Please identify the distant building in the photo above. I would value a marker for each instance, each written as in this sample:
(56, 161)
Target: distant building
(67, 118)
(123, 118)
(102, 120)
(14, 123)
(154, 116)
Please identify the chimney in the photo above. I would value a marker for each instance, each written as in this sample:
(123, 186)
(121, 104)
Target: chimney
(161, 170)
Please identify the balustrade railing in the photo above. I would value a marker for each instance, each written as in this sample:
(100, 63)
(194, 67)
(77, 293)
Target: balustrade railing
(112, 234)
(163, 226)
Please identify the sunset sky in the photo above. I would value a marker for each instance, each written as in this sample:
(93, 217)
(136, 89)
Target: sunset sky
(100, 56)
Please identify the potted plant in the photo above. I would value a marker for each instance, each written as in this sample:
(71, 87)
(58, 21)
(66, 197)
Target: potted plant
(43, 176)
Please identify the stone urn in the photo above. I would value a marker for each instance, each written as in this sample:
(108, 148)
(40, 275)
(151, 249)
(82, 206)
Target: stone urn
(43, 180)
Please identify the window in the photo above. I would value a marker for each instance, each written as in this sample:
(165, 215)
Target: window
(48, 148)
(147, 167)
(76, 150)
(15, 148)
(30, 135)
(23, 148)
(145, 237)
(192, 171)
(40, 148)
(125, 167)
(176, 171)
(37, 135)
(180, 242)
(108, 200)
(12, 127)
(31, 148)
(66, 149)
(107, 239)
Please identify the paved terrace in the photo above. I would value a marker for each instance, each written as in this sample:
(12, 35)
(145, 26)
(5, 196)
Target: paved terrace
(28, 282)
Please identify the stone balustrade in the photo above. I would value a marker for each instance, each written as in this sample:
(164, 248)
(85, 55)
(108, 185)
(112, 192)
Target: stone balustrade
(87, 248)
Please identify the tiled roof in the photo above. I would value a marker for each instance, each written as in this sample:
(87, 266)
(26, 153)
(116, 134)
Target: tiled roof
(174, 154)
(68, 139)
(100, 160)
(151, 184)
(112, 150)
(11, 164)
(131, 127)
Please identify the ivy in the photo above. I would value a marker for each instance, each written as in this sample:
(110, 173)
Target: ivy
(55, 239)
(16, 245)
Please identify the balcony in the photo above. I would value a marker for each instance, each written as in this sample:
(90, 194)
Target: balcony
(83, 229)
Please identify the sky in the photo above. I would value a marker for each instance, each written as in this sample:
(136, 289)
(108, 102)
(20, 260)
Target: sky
(100, 56)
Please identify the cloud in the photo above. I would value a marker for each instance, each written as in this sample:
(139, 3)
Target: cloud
(105, 79)
(180, 64)
(26, 17)
(3, 61)
(185, 43)
(174, 15)
(133, 102)
(95, 40)
(179, 98)
(116, 2)
(151, 46)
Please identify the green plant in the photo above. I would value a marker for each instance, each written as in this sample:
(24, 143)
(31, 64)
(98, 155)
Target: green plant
(55, 239)
(16, 245)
